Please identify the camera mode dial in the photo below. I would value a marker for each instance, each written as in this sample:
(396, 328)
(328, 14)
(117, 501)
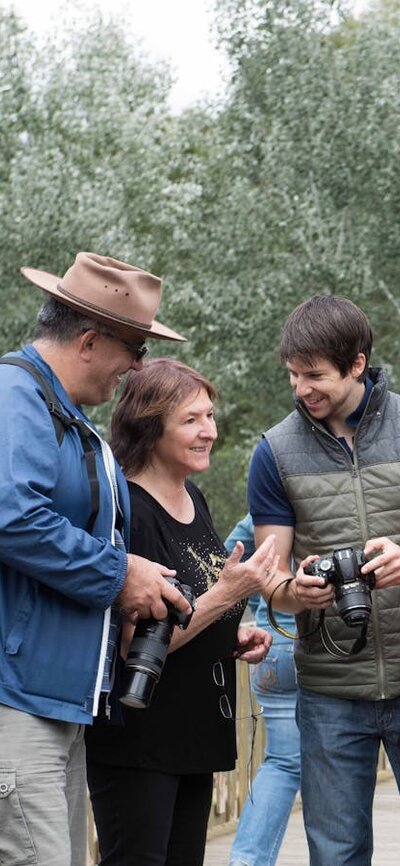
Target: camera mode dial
(325, 565)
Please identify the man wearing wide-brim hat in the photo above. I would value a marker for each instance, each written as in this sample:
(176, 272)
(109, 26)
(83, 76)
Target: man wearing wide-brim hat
(64, 514)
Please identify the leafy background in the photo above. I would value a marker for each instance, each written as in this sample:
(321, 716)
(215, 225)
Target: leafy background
(288, 187)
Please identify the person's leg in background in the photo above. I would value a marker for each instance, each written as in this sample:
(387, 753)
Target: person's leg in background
(265, 815)
(42, 790)
(340, 742)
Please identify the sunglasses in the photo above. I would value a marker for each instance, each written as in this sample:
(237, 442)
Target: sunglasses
(224, 702)
(138, 352)
(226, 711)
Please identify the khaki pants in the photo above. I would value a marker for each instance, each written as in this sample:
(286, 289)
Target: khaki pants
(42, 791)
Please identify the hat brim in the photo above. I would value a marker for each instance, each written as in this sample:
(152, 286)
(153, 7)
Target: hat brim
(121, 327)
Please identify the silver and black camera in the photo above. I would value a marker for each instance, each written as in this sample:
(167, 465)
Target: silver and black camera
(148, 650)
(352, 589)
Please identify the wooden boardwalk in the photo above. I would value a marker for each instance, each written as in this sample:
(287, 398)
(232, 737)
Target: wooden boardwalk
(294, 848)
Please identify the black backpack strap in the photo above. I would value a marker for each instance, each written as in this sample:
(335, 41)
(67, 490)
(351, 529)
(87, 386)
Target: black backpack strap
(60, 420)
(91, 469)
(61, 423)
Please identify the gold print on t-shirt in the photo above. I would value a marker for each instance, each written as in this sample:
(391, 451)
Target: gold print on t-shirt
(211, 569)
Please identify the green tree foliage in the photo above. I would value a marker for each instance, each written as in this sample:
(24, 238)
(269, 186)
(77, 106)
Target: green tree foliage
(84, 166)
(288, 187)
(313, 124)
(306, 189)
(87, 163)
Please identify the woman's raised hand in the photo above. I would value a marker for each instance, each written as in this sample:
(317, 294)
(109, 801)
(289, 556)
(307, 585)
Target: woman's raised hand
(241, 579)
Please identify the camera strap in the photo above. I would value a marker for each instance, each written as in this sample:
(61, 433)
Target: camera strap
(280, 629)
(333, 649)
(329, 644)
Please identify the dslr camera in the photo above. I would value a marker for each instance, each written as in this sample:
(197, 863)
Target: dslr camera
(149, 648)
(342, 568)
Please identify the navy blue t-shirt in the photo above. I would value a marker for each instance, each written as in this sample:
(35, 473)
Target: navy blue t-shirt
(268, 502)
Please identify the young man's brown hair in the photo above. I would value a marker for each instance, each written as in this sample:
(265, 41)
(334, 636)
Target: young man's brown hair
(327, 326)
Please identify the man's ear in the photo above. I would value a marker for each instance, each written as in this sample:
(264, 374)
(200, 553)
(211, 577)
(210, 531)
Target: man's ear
(359, 365)
(87, 344)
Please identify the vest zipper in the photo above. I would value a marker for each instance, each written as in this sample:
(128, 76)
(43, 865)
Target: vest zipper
(380, 664)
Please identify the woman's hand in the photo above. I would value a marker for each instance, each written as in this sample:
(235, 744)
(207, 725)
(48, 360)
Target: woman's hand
(236, 581)
(241, 579)
(252, 644)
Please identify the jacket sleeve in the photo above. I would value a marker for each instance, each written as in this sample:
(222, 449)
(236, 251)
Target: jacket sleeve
(37, 537)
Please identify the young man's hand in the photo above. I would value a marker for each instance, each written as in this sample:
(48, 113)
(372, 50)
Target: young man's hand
(385, 562)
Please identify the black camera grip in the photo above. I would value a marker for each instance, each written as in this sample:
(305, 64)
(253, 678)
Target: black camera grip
(311, 571)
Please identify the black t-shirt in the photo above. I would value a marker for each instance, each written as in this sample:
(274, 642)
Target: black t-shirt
(183, 729)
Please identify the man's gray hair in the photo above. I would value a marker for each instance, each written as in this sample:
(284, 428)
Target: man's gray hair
(56, 321)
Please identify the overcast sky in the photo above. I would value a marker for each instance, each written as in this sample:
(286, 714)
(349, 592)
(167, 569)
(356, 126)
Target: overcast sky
(177, 30)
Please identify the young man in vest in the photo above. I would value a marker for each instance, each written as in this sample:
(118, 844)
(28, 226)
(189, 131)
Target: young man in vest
(326, 478)
(61, 565)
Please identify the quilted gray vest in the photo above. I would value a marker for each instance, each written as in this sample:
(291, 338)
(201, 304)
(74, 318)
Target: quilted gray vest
(341, 503)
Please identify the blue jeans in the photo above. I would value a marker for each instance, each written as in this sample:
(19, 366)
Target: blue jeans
(340, 742)
(266, 813)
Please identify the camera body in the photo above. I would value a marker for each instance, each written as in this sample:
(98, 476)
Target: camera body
(342, 568)
(149, 648)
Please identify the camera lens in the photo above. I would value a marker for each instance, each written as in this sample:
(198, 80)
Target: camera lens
(353, 603)
(149, 648)
(145, 661)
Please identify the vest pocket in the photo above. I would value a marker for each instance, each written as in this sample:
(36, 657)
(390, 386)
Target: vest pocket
(16, 845)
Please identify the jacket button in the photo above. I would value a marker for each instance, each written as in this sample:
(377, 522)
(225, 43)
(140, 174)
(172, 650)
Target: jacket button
(4, 788)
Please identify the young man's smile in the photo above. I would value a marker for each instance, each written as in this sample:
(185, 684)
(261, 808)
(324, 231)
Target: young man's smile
(323, 391)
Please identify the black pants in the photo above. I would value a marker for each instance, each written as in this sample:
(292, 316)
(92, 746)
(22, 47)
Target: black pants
(145, 818)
